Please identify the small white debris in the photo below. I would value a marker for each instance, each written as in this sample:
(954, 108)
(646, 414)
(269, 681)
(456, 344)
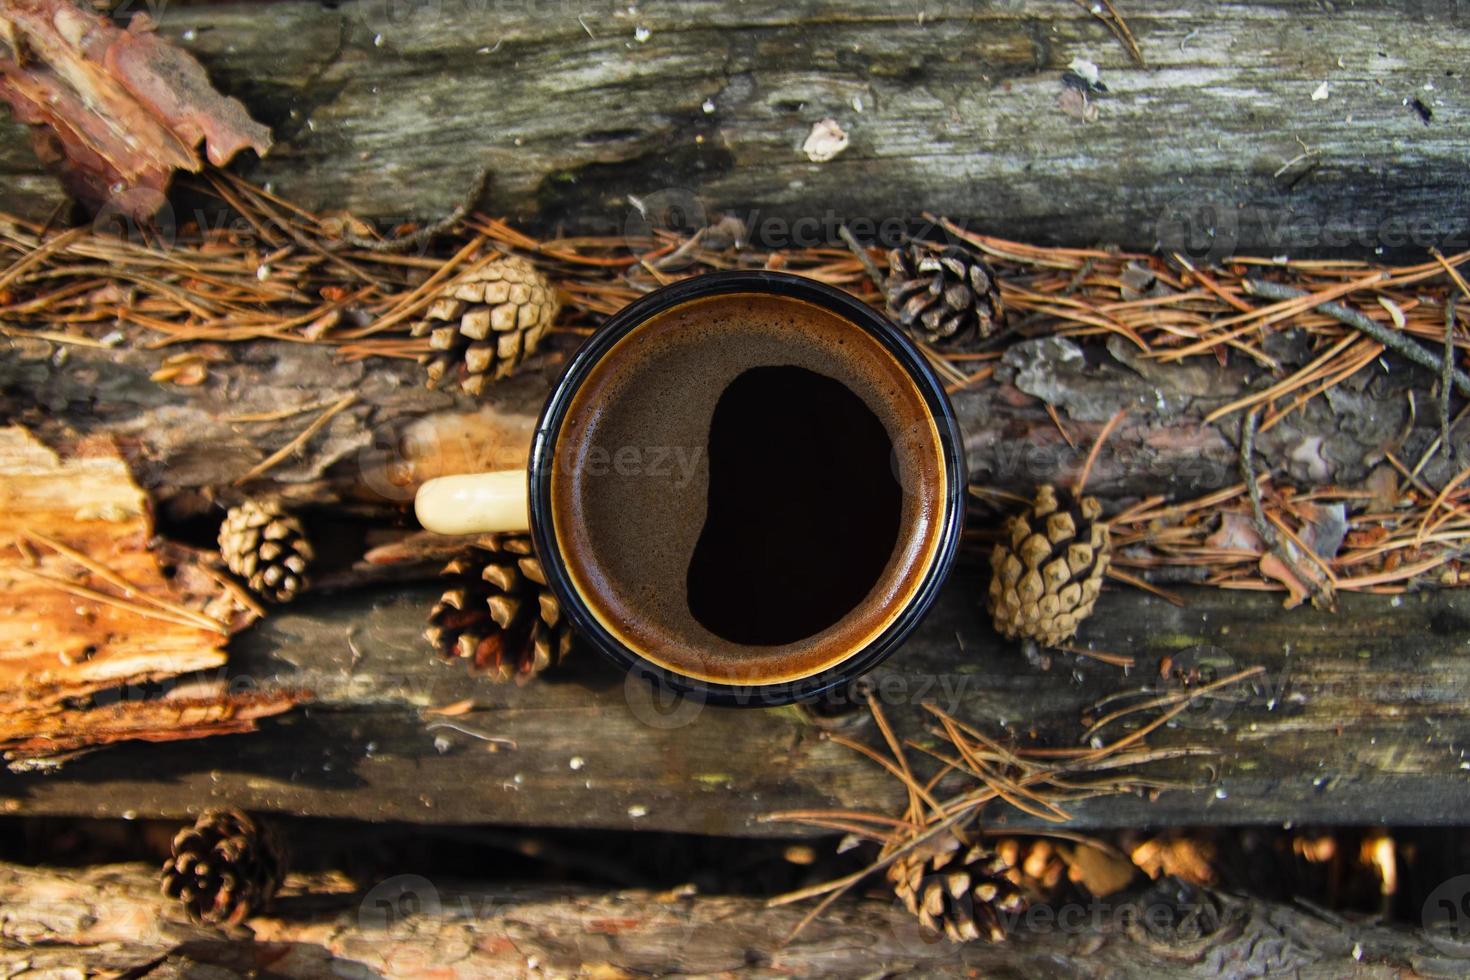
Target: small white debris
(1429, 86)
(709, 106)
(1220, 794)
(1394, 313)
(263, 272)
(825, 141)
(576, 762)
(641, 34)
(113, 339)
(857, 103)
(191, 34)
(1357, 951)
(1085, 70)
(1321, 93)
(637, 810)
(441, 744)
(377, 40)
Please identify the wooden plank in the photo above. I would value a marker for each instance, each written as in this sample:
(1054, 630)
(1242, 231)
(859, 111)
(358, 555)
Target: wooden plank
(111, 920)
(390, 110)
(1361, 717)
(185, 443)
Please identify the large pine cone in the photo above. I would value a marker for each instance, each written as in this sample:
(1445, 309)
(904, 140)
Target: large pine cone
(962, 891)
(224, 869)
(267, 547)
(483, 324)
(498, 614)
(1049, 569)
(942, 294)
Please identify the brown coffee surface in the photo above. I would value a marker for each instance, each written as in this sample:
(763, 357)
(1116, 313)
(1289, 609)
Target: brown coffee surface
(631, 489)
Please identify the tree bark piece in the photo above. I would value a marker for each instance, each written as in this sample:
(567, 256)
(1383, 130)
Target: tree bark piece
(392, 111)
(111, 920)
(115, 111)
(1359, 718)
(89, 607)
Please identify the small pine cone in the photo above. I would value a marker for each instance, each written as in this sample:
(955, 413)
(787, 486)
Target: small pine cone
(224, 869)
(499, 614)
(1047, 572)
(963, 891)
(267, 547)
(483, 324)
(942, 295)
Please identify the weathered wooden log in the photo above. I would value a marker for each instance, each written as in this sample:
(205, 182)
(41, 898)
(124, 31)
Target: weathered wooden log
(111, 920)
(1360, 717)
(585, 115)
(190, 445)
(88, 606)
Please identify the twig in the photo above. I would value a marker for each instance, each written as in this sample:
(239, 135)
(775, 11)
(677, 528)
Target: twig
(1102, 436)
(278, 414)
(127, 588)
(874, 273)
(1118, 26)
(1444, 377)
(150, 612)
(343, 403)
(1138, 583)
(1258, 513)
(1449, 351)
(1392, 339)
(424, 234)
(1114, 659)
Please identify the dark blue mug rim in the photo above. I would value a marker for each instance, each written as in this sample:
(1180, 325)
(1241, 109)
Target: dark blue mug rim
(543, 456)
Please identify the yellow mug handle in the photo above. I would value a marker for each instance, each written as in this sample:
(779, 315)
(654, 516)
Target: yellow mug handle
(475, 503)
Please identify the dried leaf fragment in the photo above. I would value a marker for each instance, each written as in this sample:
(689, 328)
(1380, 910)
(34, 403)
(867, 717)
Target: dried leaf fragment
(114, 110)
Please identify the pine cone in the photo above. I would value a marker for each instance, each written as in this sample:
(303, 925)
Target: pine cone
(267, 547)
(958, 890)
(224, 868)
(1049, 569)
(942, 294)
(499, 614)
(484, 323)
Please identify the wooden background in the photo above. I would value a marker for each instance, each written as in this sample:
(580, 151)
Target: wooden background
(391, 110)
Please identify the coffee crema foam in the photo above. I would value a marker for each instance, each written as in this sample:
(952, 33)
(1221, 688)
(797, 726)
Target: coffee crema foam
(630, 486)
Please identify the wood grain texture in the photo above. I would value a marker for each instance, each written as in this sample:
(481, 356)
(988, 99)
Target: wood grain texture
(188, 447)
(53, 645)
(111, 920)
(119, 615)
(1360, 718)
(391, 109)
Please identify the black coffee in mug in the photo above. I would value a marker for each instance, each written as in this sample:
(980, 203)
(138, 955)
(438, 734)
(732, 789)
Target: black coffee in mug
(747, 486)
(802, 511)
(729, 490)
